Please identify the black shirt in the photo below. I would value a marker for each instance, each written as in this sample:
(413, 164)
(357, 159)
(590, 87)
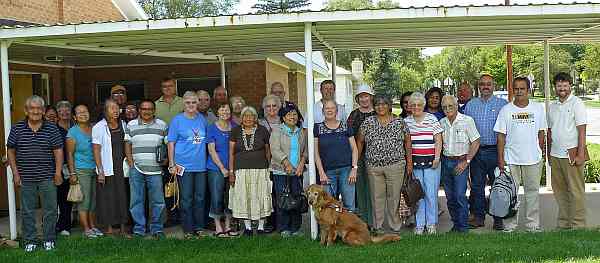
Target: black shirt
(34, 150)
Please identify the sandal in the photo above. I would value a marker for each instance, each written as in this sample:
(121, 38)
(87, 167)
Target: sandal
(221, 235)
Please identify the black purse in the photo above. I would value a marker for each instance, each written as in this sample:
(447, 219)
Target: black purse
(287, 201)
(161, 153)
(412, 191)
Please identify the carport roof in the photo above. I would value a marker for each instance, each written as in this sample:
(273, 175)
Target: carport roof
(252, 34)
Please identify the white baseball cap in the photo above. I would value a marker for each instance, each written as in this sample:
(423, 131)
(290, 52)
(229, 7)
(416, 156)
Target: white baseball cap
(363, 88)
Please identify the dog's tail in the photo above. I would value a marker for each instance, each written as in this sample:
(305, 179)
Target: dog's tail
(385, 238)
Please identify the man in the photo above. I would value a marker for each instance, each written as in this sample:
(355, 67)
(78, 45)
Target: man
(204, 106)
(278, 90)
(464, 93)
(169, 104)
(219, 97)
(521, 130)
(35, 156)
(142, 137)
(484, 111)
(119, 94)
(567, 116)
(461, 142)
(327, 92)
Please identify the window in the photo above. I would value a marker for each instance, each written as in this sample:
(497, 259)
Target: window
(135, 89)
(194, 84)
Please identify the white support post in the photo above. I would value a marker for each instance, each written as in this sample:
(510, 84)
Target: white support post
(222, 62)
(12, 207)
(547, 102)
(310, 116)
(333, 65)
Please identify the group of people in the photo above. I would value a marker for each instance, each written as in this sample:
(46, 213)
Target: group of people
(231, 162)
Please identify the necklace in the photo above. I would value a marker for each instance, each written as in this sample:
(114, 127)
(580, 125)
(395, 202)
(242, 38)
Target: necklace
(248, 144)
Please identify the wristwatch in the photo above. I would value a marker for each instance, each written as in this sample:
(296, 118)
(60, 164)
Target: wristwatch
(468, 161)
(354, 166)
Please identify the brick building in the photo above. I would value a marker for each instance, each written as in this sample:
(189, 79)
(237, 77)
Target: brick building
(86, 77)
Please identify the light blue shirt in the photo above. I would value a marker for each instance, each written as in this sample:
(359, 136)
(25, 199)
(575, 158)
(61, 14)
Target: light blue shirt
(83, 155)
(189, 136)
(485, 114)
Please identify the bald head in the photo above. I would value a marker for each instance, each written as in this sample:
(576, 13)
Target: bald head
(464, 92)
(220, 95)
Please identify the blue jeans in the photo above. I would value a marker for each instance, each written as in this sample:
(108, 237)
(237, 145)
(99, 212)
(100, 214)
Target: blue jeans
(216, 187)
(31, 192)
(482, 172)
(192, 191)
(288, 220)
(455, 187)
(427, 211)
(138, 182)
(338, 184)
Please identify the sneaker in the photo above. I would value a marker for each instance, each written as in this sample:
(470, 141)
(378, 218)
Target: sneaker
(431, 230)
(90, 234)
(285, 234)
(508, 230)
(534, 229)
(49, 245)
(30, 247)
(65, 233)
(499, 225)
(97, 232)
(298, 233)
(418, 231)
(159, 236)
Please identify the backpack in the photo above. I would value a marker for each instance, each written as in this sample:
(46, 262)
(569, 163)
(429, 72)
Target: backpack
(503, 202)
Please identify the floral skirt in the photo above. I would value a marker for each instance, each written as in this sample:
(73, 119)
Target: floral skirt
(250, 197)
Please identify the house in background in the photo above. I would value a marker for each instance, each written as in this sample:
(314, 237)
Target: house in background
(87, 76)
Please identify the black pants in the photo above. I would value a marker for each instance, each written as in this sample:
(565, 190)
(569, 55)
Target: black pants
(64, 206)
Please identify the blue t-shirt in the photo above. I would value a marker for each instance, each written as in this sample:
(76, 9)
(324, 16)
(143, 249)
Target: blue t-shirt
(189, 136)
(83, 155)
(221, 140)
(334, 148)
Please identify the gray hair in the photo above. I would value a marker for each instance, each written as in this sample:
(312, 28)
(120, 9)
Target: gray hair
(189, 94)
(325, 101)
(202, 92)
(271, 98)
(251, 110)
(35, 99)
(417, 97)
(63, 104)
(449, 98)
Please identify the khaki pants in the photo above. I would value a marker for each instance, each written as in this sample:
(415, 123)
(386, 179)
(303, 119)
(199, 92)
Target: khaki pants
(529, 176)
(386, 183)
(568, 184)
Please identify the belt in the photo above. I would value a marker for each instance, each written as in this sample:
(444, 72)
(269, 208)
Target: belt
(487, 146)
(460, 157)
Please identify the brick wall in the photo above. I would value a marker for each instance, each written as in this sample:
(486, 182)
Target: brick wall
(277, 73)
(247, 79)
(59, 11)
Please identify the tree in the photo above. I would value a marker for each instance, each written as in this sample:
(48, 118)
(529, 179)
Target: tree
(157, 9)
(280, 6)
(382, 74)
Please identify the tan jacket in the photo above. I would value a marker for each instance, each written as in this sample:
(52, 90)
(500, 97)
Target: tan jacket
(280, 147)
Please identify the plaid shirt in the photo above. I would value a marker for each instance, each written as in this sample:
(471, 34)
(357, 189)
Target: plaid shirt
(459, 135)
(485, 113)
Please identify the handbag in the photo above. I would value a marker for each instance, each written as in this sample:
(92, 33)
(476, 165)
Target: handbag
(172, 190)
(161, 153)
(75, 195)
(412, 192)
(287, 201)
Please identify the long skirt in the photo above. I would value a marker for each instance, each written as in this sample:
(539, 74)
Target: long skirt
(111, 201)
(250, 197)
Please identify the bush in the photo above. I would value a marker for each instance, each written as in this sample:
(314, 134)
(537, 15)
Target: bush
(592, 167)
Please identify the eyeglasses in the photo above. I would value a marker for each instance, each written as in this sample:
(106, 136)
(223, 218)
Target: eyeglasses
(190, 102)
(448, 107)
(148, 109)
(271, 106)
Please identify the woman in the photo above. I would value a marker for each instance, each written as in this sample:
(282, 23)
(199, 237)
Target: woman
(271, 105)
(51, 115)
(64, 123)
(406, 110)
(109, 152)
(288, 149)
(426, 134)
(217, 165)
(80, 159)
(187, 160)
(131, 111)
(336, 155)
(387, 153)
(249, 155)
(237, 105)
(364, 99)
(434, 102)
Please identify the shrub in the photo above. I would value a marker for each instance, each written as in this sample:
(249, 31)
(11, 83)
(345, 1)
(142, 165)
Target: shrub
(592, 167)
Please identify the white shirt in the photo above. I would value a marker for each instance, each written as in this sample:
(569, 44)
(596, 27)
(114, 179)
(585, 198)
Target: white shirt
(521, 127)
(458, 135)
(319, 117)
(563, 119)
(101, 136)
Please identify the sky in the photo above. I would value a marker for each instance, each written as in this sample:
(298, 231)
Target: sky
(245, 7)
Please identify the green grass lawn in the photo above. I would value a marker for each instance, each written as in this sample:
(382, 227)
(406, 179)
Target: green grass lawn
(572, 246)
(592, 103)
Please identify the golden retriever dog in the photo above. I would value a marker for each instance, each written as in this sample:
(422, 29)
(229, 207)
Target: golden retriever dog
(335, 221)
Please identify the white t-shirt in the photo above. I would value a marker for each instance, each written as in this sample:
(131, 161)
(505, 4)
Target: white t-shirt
(521, 127)
(563, 119)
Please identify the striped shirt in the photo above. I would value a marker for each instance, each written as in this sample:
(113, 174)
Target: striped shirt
(34, 150)
(144, 139)
(421, 134)
(485, 113)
